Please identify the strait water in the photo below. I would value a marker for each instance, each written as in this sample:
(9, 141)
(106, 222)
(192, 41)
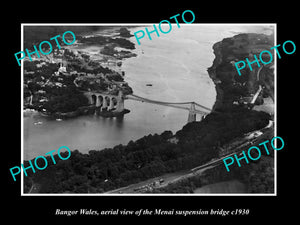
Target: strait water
(174, 63)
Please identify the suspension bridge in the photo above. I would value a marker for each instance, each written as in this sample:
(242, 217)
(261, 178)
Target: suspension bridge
(115, 103)
(191, 107)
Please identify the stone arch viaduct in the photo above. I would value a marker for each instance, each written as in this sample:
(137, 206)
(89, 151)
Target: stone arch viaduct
(106, 102)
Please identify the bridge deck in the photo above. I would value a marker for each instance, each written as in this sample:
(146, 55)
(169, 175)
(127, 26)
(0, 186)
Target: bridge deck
(170, 104)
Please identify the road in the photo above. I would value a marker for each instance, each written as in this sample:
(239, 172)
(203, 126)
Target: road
(169, 178)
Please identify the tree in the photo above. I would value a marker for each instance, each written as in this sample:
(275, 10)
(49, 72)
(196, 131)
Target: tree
(65, 100)
(124, 32)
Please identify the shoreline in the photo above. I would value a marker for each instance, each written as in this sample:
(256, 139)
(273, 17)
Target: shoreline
(83, 110)
(110, 60)
(212, 74)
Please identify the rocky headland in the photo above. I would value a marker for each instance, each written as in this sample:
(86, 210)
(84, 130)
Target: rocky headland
(231, 87)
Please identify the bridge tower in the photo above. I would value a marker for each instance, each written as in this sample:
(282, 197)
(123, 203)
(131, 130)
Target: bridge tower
(120, 102)
(98, 103)
(192, 113)
(104, 104)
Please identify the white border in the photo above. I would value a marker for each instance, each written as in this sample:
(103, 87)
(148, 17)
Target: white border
(147, 24)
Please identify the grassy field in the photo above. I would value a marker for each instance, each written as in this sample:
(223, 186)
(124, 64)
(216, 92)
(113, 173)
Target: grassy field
(233, 186)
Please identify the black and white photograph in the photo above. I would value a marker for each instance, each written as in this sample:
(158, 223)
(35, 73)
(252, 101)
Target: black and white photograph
(166, 115)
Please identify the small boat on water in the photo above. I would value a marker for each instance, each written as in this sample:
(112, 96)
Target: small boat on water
(149, 85)
(58, 119)
(38, 123)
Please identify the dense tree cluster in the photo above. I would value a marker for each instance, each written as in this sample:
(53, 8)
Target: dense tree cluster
(123, 43)
(65, 99)
(124, 32)
(220, 127)
(45, 69)
(41, 83)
